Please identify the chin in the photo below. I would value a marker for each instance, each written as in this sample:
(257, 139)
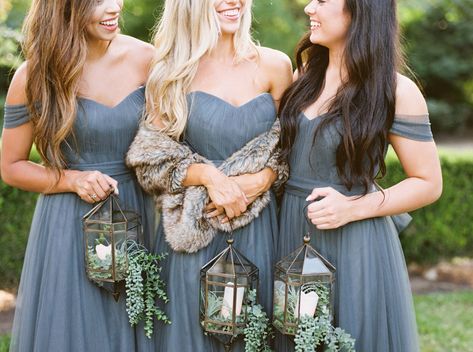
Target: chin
(314, 39)
(229, 29)
(104, 37)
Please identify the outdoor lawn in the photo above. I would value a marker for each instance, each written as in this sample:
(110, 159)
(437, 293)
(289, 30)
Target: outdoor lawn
(445, 322)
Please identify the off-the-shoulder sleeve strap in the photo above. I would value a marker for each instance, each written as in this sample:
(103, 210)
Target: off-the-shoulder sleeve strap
(15, 115)
(416, 127)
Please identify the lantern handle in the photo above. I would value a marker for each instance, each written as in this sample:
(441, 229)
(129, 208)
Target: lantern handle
(311, 226)
(230, 238)
(98, 206)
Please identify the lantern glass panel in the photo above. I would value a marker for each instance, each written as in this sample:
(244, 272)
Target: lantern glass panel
(225, 284)
(107, 230)
(301, 279)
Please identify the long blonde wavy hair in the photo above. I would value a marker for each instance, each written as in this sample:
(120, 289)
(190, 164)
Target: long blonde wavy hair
(187, 30)
(55, 48)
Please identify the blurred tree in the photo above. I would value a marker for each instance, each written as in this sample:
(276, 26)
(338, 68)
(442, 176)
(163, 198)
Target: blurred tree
(10, 38)
(439, 47)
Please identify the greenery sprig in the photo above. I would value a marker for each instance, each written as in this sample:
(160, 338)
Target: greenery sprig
(318, 330)
(144, 287)
(258, 329)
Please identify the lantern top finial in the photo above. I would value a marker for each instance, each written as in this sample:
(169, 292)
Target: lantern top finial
(307, 239)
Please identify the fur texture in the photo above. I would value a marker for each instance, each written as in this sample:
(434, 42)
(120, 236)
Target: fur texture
(161, 165)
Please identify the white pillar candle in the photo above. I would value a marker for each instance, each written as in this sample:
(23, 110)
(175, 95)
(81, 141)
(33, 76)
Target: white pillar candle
(103, 251)
(306, 304)
(228, 300)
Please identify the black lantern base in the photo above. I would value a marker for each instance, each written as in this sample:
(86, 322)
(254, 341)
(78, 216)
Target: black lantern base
(114, 288)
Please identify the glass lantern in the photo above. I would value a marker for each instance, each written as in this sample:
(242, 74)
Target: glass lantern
(108, 231)
(303, 285)
(224, 286)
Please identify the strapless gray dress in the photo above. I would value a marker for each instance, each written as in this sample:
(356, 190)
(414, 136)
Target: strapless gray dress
(215, 130)
(58, 308)
(373, 300)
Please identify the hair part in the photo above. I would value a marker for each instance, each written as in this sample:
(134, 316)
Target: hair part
(55, 48)
(187, 30)
(364, 105)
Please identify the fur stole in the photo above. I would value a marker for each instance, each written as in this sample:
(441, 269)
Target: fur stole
(161, 165)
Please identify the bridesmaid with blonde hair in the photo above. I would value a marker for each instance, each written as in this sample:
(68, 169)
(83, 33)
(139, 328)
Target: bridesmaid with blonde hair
(211, 91)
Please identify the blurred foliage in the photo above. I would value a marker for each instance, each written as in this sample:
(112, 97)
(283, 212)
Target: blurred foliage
(444, 229)
(439, 46)
(9, 45)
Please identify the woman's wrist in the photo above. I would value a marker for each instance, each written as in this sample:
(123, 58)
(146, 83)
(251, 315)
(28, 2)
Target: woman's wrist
(208, 174)
(69, 178)
(366, 207)
(266, 178)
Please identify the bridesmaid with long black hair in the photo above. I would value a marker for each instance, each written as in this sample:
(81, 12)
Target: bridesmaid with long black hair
(338, 117)
(79, 97)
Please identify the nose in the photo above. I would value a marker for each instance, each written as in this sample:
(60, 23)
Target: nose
(114, 6)
(311, 8)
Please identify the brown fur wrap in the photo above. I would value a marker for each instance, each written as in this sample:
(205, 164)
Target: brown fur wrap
(161, 165)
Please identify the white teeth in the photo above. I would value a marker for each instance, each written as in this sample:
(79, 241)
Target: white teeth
(230, 13)
(314, 24)
(110, 23)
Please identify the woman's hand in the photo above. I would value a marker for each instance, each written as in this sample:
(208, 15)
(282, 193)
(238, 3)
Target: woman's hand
(332, 211)
(91, 186)
(225, 195)
(254, 185)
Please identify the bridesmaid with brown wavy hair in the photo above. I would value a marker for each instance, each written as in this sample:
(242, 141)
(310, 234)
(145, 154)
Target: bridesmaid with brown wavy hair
(79, 98)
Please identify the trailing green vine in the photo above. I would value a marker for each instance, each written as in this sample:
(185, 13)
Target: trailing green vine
(258, 329)
(315, 331)
(144, 287)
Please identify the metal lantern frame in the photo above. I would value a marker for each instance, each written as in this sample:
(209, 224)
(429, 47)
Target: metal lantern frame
(109, 222)
(227, 274)
(303, 272)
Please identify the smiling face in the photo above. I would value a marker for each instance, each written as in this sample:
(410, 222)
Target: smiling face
(229, 13)
(329, 22)
(103, 24)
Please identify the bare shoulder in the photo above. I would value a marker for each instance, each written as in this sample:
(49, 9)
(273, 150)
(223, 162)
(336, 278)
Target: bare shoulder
(278, 69)
(17, 91)
(274, 59)
(137, 51)
(409, 99)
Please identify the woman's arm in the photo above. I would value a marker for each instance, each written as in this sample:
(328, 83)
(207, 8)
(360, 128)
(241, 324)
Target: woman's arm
(278, 68)
(422, 186)
(18, 171)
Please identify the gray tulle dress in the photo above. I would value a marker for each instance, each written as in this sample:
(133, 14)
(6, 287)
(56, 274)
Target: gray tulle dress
(373, 300)
(215, 130)
(58, 308)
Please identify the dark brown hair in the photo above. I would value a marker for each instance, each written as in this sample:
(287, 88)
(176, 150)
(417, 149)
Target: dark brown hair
(364, 104)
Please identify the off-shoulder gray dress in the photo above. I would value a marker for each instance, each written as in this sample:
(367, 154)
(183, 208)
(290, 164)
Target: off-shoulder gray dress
(58, 308)
(215, 130)
(373, 300)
